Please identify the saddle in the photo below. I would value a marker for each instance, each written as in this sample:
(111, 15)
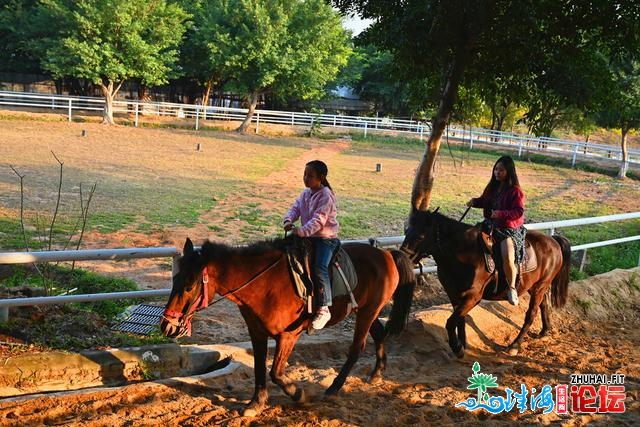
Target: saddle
(492, 258)
(341, 272)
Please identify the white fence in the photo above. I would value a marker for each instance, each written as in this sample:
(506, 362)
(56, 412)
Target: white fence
(197, 113)
(119, 254)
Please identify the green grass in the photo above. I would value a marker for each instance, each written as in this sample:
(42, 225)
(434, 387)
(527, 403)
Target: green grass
(74, 326)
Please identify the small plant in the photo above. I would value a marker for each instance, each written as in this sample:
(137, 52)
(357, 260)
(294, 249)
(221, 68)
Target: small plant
(315, 130)
(585, 304)
(633, 282)
(45, 237)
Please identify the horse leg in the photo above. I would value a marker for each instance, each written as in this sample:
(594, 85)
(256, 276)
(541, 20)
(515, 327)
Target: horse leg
(532, 311)
(455, 324)
(284, 347)
(377, 333)
(545, 314)
(363, 324)
(260, 395)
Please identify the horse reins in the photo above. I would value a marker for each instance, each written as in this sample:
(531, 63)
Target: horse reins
(204, 303)
(253, 279)
(464, 214)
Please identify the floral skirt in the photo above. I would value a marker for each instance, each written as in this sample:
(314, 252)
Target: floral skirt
(517, 235)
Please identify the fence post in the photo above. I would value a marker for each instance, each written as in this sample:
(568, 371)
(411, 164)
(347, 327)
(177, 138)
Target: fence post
(520, 144)
(258, 122)
(4, 314)
(365, 129)
(575, 155)
(137, 112)
(197, 116)
(69, 109)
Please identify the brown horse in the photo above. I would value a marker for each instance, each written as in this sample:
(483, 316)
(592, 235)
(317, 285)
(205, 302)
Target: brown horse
(257, 279)
(461, 270)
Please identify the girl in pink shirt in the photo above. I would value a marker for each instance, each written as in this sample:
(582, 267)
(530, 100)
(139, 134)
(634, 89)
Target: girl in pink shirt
(316, 209)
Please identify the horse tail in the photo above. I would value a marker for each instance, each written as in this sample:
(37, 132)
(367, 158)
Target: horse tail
(560, 283)
(403, 295)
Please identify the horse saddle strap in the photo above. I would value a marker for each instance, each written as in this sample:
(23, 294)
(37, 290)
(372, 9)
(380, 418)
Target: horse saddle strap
(486, 242)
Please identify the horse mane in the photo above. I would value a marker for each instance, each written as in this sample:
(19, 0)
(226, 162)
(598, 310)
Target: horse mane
(450, 225)
(446, 224)
(213, 250)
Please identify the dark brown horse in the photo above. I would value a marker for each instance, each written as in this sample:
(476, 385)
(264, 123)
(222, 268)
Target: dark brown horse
(461, 270)
(257, 279)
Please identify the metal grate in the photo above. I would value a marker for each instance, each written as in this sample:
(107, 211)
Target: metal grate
(140, 319)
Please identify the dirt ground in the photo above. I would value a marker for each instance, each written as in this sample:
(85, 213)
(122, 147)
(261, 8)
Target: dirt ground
(421, 386)
(596, 333)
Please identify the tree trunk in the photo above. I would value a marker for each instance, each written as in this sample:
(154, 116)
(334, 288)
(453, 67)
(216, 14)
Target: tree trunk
(423, 182)
(109, 90)
(107, 113)
(207, 93)
(253, 101)
(475, 24)
(624, 161)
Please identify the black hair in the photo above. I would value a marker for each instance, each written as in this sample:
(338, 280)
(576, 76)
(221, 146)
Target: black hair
(321, 170)
(512, 176)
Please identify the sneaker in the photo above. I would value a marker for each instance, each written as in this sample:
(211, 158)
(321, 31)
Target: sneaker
(323, 315)
(512, 296)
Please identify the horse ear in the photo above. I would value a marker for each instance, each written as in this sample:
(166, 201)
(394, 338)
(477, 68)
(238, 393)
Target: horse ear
(436, 210)
(188, 247)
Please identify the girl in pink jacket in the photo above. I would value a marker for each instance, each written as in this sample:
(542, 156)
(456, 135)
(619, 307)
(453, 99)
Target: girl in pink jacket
(316, 209)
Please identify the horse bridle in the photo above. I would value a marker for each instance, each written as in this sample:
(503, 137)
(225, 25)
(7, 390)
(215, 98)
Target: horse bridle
(202, 299)
(419, 254)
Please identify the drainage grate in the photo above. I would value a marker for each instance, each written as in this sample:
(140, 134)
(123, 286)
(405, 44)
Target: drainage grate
(140, 319)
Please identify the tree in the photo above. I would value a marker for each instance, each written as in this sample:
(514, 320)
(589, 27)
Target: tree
(15, 16)
(277, 47)
(457, 42)
(622, 107)
(110, 41)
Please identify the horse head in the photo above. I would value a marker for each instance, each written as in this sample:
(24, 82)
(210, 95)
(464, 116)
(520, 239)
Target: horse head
(419, 236)
(190, 293)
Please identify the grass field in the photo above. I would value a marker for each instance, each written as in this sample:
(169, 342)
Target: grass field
(154, 187)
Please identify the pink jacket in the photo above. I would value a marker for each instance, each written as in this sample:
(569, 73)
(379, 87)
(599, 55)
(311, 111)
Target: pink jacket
(510, 208)
(317, 213)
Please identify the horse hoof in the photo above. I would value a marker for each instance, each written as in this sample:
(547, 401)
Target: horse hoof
(460, 353)
(374, 379)
(513, 351)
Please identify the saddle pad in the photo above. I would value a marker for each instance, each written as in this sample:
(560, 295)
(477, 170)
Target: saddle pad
(304, 285)
(529, 263)
(338, 286)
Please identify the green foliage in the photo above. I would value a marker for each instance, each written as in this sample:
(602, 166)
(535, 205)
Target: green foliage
(285, 48)
(112, 41)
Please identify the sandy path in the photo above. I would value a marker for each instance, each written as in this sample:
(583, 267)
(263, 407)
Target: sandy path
(422, 384)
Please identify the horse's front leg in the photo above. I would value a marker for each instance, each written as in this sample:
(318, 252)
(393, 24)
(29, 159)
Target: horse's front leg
(260, 395)
(532, 311)
(284, 347)
(456, 324)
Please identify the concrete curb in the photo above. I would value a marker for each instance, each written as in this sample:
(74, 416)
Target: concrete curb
(60, 371)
